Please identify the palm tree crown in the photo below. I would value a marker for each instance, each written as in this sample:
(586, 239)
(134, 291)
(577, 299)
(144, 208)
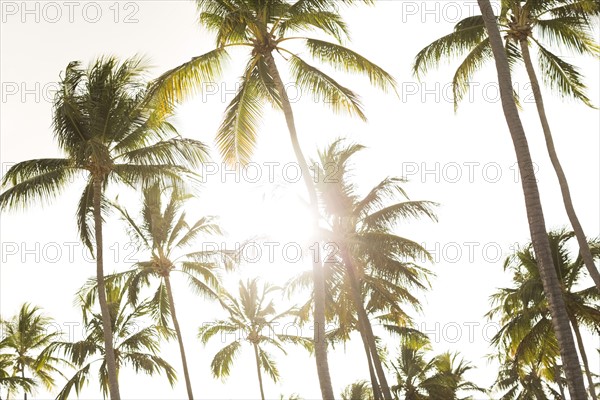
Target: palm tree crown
(103, 125)
(526, 340)
(163, 232)
(252, 318)
(25, 337)
(265, 28)
(562, 23)
(442, 377)
(134, 347)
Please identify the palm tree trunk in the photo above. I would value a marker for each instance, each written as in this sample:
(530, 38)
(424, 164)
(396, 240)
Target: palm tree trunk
(374, 383)
(318, 276)
(188, 383)
(113, 382)
(584, 248)
(365, 324)
(535, 215)
(584, 359)
(23, 376)
(260, 382)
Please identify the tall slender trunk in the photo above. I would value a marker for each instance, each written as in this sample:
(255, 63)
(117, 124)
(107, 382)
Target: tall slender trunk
(320, 340)
(535, 215)
(584, 359)
(365, 324)
(260, 382)
(584, 248)
(23, 376)
(113, 382)
(188, 383)
(374, 383)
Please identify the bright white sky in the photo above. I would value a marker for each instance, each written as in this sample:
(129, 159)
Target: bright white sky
(464, 161)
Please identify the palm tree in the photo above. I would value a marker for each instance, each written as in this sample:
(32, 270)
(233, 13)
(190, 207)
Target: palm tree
(450, 378)
(252, 318)
(442, 377)
(533, 206)
(9, 380)
(26, 336)
(529, 381)
(373, 257)
(359, 390)
(103, 123)
(561, 23)
(163, 232)
(134, 347)
(265, 27)
(523, 308)
(411, 371)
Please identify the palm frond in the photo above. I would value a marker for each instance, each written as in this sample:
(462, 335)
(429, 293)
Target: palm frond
(268, 365)
(179, 83)
(344, 59)
(237, 134)
(571, 32)
(328, 90)
(327, 22)
(41, 187)
(77, 382)
(561, 76)
(477, 57)
(467, 34)
(223, 360)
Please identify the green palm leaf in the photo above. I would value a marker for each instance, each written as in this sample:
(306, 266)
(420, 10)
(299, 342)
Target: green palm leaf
(563, 77)
(467, 34)
(330, 91)
(347, 60)
(177, 84)
(237, 134)
(223, 360)
(267, 363)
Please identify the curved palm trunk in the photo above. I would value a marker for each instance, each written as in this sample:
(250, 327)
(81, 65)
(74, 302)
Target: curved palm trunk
(365, 325)
(584, 359)
(113, 382)
(260, 382)
(584, 248)
(188, 383)
(318, 277)
(535, 215)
